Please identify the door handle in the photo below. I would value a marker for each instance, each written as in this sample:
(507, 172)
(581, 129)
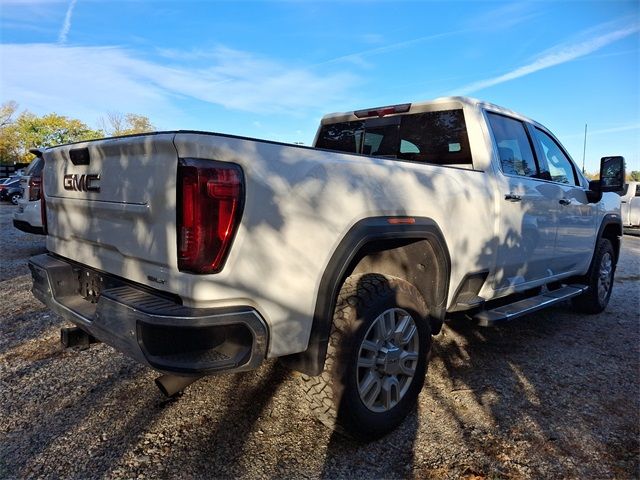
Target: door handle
(564, 201)
(512, 197)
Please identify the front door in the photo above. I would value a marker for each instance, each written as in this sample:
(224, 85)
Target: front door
(575, 216)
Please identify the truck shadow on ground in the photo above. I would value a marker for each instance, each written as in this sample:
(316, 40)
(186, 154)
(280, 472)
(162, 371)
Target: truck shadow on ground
(257, 423)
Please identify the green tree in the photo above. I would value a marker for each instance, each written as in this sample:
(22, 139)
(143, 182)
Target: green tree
(27, 130)
(634, 176)
(52, 129)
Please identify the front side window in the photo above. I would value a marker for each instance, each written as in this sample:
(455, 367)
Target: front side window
(560, 167)
(514, 147)
(430, 137)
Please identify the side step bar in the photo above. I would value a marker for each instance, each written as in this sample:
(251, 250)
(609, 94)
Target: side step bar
(487, 318)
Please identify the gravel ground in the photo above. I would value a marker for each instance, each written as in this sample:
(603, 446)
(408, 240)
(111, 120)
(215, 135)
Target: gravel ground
(552, 395)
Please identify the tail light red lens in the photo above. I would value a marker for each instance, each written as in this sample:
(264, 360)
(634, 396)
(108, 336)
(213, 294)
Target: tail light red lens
(210, 201)
(43, 208)
(35, 184)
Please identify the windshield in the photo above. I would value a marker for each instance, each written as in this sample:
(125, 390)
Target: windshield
(430, 137)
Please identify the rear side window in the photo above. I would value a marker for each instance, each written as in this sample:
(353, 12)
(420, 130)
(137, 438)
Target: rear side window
(514, 147)
(431, 137)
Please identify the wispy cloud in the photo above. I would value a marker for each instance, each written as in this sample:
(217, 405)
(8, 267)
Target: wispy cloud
(506, 16)
(91, 80)
(557, 55)
(605, 131)
(66, 26)
(501, 18)
(358, 58)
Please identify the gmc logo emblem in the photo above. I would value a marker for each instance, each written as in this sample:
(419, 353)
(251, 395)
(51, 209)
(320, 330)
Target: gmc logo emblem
(82, 183)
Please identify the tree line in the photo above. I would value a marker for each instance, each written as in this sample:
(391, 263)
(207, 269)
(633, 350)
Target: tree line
(21, 131)
(632, 176)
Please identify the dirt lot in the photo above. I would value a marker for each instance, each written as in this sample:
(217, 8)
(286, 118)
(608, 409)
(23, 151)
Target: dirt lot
(552, 395)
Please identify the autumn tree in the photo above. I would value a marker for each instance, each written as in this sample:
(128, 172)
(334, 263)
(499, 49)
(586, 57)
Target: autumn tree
(8, 136)
(27, 130)
(115, 124)
(52, 129)
(7, 111)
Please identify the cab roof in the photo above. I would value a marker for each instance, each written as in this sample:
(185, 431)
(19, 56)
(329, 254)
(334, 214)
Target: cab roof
(418, 107)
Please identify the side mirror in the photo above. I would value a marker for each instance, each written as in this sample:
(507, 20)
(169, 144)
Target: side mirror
(612, 174)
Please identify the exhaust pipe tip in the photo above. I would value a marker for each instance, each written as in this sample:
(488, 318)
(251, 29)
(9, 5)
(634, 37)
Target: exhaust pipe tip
(171, 385)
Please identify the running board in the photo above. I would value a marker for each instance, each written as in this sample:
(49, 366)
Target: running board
(487, 318)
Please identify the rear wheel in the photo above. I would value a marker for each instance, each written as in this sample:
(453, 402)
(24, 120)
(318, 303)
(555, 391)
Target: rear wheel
(15, 197)
(376, 358)
(599, 279)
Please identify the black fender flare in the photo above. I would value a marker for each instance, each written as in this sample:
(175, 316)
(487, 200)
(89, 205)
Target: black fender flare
(610, 219)
(368, 230)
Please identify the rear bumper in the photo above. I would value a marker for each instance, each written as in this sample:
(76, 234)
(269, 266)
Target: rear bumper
(28, 217)
(151, 328)
(27, 227)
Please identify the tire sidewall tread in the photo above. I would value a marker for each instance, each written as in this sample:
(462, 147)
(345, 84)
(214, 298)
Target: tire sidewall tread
(361, 299)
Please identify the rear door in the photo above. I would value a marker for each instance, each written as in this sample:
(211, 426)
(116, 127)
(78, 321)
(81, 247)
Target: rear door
(527, 227)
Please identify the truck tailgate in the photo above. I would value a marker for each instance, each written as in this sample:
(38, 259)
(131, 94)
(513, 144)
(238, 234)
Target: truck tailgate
(111, 204)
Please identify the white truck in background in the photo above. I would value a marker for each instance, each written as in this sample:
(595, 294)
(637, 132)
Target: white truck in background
(28, 217)
(199, 253)
(630, 205)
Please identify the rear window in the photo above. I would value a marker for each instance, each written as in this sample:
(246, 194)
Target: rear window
(431, 137)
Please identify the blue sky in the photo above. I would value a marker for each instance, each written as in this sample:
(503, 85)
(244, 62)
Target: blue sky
(272, 69)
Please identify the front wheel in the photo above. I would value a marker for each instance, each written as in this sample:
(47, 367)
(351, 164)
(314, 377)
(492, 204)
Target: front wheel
(15, 197)
(599, 279)
(376, 359)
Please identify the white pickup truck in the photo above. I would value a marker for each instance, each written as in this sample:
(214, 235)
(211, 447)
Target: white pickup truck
(630, 205)
(199, 253)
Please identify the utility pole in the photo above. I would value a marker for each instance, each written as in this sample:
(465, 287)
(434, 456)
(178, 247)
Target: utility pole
(584, 150)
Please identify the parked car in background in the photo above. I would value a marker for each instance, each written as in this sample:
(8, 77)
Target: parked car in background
(630, 205)
(11, 190)
(28, 218)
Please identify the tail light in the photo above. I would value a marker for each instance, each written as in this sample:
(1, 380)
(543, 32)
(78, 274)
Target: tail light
(43, 207)
(210, 201)
(35, 184)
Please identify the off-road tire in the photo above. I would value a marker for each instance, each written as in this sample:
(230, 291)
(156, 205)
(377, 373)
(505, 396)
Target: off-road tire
(333, 396)
(591, 301)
